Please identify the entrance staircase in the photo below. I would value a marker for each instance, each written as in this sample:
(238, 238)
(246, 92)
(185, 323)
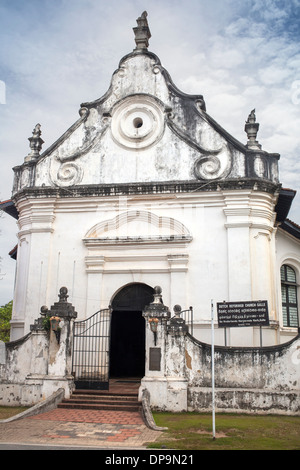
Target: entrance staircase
(121, 396)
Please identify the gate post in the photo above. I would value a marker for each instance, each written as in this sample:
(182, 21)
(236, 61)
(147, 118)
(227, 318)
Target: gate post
(156, 315)
(176, 362)
(165, 373)
(61, 316)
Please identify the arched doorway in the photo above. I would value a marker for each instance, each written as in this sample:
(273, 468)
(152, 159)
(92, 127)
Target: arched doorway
(127, 347)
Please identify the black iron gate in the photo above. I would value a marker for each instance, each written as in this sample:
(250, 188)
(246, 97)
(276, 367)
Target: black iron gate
(91, 348)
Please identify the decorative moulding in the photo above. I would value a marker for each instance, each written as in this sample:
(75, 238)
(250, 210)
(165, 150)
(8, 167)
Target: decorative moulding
(123, 230)
(119, 264)
(137, 122)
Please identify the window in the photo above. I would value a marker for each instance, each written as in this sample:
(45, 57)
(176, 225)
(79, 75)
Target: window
(289, 296)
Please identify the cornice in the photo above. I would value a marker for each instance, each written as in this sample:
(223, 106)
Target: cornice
(29, 231)
(146, 242)
(144, 188)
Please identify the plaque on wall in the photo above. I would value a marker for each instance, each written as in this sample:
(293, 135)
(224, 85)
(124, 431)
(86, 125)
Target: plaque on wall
(154, 358)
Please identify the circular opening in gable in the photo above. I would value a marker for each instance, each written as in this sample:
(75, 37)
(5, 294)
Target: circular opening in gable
(137, 122)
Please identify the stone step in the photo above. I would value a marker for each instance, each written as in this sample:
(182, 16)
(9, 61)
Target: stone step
(100, 406)
(101, 400)
(104, 398)
(101, 393)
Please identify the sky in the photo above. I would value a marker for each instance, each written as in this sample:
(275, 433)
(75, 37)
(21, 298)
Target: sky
(57, 54)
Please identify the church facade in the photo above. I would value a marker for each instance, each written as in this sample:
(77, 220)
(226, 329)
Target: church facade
(147, 189)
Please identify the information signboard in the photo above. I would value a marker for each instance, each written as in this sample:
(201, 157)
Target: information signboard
(237, 314)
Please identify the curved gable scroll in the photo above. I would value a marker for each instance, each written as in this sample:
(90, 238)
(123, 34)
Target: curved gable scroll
(137, 227)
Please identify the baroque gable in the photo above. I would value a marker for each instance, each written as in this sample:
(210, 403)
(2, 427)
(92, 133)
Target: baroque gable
(144, 129)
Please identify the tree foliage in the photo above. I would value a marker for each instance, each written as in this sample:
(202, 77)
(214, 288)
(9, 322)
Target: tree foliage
(5, 317)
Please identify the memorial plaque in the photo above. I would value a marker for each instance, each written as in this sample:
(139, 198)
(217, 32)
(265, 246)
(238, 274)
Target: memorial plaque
(154, 358)
(237, 314)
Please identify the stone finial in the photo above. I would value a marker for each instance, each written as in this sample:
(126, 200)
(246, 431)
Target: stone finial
(177, 310)
(157, 308)
(63, 308)
(63, 294)
(251, 129)
(177, 324)
(36, 143)
(142, 32)
(157, 296)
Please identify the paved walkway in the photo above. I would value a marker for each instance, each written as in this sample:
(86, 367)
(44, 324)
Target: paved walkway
(95, 428)
(105, 429)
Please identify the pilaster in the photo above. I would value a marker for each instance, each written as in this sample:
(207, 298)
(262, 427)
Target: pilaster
(94, 269)
(36, 225)
(237, 211)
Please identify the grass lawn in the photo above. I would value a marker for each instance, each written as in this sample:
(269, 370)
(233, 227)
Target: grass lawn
(9, 411)
(193, 431)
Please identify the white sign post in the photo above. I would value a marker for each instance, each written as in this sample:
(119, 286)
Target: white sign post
(213, 370)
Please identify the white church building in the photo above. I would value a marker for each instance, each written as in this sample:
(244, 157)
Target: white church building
(146, 189)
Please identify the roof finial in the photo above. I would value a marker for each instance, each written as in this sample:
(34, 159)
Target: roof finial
(142, 32)
(36, 143)
(251, 129)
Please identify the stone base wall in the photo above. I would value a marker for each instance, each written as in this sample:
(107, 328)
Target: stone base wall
(34, 367)
(244, 401)
(247, 380)
(33, 391)
(260, 380)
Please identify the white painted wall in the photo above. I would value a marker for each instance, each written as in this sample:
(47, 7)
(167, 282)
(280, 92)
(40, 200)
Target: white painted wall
(197, 245)
(218, 252)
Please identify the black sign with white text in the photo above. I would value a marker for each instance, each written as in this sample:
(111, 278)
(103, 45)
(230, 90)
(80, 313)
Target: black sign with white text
(236, 314)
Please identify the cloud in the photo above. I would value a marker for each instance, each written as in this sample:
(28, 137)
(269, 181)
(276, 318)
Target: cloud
(240, 54)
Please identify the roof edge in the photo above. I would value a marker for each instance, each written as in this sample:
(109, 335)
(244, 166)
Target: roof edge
(284, 203)
(291, 227)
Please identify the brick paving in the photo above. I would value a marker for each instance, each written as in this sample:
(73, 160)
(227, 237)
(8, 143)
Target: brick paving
(95, 428)
(91, 416)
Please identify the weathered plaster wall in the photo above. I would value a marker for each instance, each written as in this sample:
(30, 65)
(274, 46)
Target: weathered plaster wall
(197, 246)
(146, 148)
(35, 367)
(27, 354)
(23, 357)
(144, 130)
(246, 379)
(261, 380)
